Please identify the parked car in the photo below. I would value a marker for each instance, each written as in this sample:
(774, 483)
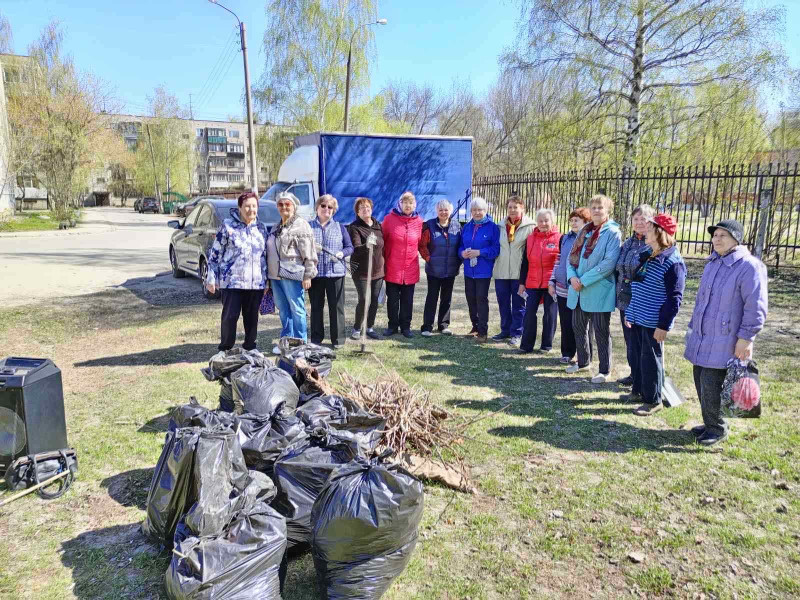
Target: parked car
(149, 205)
(191, 243)
(183, 209)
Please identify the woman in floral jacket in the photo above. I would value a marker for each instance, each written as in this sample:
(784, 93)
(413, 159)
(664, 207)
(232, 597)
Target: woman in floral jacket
(237, 266)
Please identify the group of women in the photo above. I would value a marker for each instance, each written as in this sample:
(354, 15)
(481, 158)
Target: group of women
(579, 278)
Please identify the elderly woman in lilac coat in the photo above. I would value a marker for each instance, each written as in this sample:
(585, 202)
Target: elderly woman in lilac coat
(729, 312)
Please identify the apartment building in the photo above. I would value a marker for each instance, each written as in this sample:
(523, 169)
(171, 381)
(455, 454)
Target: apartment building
(6, 176)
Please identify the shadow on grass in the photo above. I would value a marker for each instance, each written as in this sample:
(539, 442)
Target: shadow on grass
(179, 353)
(114, 562)
(129, 488)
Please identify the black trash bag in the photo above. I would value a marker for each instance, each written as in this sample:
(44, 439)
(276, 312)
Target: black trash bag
(219, 480)
(244, 562)
(292, 349)
(261, 390)
(343, 414)
(226, 362)
(195, 414)
(226, 402)
(171, 490)
(263, 438)
(365, 524)
(301, 472)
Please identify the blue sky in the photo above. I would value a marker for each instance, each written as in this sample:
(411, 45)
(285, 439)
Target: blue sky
(138, 45)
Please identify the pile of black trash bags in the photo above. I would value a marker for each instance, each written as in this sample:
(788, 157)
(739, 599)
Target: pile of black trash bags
(274, 472)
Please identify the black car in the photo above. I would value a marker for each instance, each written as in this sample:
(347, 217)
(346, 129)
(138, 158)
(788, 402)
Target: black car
(191, 243)
(184, 209)
(149, 205)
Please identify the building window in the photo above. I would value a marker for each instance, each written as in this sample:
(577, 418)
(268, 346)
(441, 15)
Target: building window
(236, 148)
(216, 148)
(199, 132)
(234, 133)
(28, 181)
(216, 132)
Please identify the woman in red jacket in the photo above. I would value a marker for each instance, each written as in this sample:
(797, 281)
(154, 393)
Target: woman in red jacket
(402, 229)
(541, 252)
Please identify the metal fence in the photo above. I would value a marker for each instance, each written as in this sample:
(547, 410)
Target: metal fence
(764, 198)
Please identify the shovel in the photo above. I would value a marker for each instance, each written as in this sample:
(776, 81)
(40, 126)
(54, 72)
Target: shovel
(372, 241)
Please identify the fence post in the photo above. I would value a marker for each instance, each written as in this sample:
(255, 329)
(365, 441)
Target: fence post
(765, 198)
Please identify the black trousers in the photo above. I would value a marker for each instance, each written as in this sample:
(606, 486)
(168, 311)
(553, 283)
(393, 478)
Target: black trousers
(627, 333)
(399, 305)
(530, 324)
(708, 383)
(601, 321)
(440, 289)
(234, 303)
(333, 288)
(647, 366)
(477, 293)
(361, 290)
(568, 345)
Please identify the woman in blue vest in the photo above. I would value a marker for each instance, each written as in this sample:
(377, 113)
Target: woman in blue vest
(438, 245)
(656, 295)
(333, 246)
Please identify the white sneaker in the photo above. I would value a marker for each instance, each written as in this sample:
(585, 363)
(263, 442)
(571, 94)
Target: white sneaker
(446, 331)
(427, 333)
(276, 351)
(574, 368)
(514, 341)
(600, 378)
(355, 334)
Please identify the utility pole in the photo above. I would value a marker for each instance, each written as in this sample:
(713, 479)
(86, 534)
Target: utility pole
(191, 112)
(250, 131)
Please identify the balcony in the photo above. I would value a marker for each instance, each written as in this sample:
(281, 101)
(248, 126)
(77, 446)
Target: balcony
(215, 139)
(235, 155)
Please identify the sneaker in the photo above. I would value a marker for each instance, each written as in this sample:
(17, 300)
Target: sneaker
(514, 341)
(446, 331)
(709, 439)
(626, 380)
(481, 339)
(338, 346)
(407, 333)
(427, 333)
(645, 410)
(565, 360)
(473, 331)
(500, 337)
(600, 378)
(355, 334)
(374, 335)
(523, 351)
(698, 430)
(276, 351)
(545, 350)
(574, 368)
(632, 397)
(387, 332)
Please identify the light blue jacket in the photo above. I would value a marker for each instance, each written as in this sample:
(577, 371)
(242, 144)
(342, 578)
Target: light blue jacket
(599, 293)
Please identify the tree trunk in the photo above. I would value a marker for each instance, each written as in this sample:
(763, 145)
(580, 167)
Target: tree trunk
(633, 126)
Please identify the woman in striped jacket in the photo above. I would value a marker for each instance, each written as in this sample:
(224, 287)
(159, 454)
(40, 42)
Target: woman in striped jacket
(656, 295)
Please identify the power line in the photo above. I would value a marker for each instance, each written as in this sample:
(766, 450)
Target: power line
(228, 49)
(220, 80)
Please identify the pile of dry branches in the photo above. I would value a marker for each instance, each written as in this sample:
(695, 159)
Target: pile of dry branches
(413, 422)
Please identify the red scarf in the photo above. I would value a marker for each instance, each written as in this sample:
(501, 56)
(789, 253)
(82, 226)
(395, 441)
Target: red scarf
(575, 254)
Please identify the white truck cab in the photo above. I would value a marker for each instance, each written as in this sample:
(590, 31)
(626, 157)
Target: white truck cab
(299, 174)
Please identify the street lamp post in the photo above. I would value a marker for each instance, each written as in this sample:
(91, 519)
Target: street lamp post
(250, 132)
(349, 57)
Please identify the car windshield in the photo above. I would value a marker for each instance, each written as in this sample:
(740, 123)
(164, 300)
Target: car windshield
(267, 213)
(274, 190)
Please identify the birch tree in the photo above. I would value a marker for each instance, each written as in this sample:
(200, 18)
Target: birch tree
(632, 49)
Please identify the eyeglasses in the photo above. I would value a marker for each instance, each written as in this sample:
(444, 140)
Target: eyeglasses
(326, 206)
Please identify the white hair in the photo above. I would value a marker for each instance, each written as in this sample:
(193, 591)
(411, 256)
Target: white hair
(546, 211)
(478, 202)
(444, 204)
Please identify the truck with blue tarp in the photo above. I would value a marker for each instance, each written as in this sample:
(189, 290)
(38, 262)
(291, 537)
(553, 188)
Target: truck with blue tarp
(380, 167)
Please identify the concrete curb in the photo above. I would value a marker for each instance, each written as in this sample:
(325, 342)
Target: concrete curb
(57, 232)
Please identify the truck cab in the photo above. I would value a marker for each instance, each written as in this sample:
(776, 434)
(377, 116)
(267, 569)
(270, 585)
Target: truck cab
(299, 175)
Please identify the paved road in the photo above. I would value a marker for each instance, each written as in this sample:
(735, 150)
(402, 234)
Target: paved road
(112, 247)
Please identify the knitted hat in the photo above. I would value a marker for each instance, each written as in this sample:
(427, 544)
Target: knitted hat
(731, 226)
(666, 222)
(288, 196)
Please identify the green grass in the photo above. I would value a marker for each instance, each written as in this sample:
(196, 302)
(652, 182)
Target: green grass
(29, 222)
(570, 481)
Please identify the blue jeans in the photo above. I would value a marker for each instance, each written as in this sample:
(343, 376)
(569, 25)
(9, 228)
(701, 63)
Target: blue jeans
(512, 307)
(290, 300)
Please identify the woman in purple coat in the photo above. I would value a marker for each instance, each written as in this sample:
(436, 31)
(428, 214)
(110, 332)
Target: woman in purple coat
(730, 310)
